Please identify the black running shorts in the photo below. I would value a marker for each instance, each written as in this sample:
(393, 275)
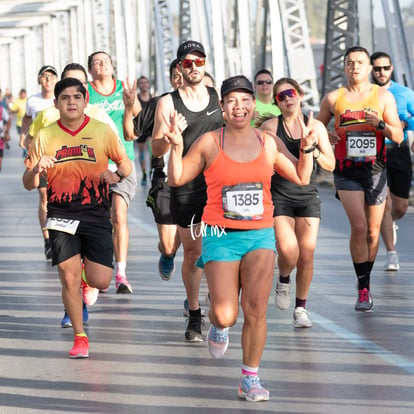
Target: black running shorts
(187, 209)
(158, 200)
(92, 240)
(399, 170)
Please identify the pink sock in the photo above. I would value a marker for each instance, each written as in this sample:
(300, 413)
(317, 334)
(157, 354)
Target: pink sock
(246, 370)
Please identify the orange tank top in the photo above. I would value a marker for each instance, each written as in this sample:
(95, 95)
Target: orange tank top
(360, 142)
(238, 193)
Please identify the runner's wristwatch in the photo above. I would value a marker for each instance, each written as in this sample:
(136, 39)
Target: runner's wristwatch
(381, 125)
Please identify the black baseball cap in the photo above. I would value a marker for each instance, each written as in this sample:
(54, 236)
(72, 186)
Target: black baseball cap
(235, 83)
(47, 68)
(188, 47)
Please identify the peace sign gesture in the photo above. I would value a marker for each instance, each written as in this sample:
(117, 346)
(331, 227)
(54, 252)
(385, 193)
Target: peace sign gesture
(308, 137)
(129, 94)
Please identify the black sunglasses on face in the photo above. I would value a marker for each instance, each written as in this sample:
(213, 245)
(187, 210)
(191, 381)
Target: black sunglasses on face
(262, 82)
(379, 68)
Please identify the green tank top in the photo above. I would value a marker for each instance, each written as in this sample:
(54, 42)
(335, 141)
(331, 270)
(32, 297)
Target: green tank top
(113, 105)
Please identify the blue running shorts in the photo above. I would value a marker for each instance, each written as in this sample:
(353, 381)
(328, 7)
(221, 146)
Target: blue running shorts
(224, 245)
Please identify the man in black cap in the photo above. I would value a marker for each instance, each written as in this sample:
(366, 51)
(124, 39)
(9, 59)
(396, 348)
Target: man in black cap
(47, 78)
(200, 106)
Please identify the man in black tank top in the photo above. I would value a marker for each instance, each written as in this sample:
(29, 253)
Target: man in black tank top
(200, 106)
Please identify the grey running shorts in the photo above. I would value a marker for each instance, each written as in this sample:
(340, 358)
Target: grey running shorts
(127, 187)
(374, 187)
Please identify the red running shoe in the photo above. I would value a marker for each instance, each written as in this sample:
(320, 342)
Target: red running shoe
(89, 294)
(80, 347)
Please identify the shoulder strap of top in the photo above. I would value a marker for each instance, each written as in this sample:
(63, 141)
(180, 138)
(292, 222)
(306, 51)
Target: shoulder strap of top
(260, 136)
(280, 128)
(212, 91)
(175, 97)
(221, 143)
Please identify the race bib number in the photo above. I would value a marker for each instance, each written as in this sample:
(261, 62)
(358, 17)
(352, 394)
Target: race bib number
(243, 201)
(60, 224)
(361, 144)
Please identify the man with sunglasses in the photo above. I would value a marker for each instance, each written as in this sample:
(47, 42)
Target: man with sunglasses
(265, 104)
(200, 107)
(399, 170)
(364, 115)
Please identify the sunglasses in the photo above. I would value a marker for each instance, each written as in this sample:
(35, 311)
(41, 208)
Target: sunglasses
(188, 63)
(281, 96)
(379, 68)
(262, 82)
(48, 77)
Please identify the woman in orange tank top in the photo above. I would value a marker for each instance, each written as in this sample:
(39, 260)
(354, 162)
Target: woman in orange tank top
(238, 238)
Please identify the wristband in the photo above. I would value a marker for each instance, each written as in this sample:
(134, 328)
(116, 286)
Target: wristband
(308, 150)
(121, 176)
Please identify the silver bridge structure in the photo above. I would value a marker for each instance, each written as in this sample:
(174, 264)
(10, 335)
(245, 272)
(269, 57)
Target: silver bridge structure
(350, 22)
(240, 36)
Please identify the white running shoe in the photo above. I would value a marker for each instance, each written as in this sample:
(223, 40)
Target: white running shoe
(301, 318)
(217, 341)
(391, 262)
(282, 295)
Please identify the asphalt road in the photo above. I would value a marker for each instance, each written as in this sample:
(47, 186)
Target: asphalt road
(347, 362)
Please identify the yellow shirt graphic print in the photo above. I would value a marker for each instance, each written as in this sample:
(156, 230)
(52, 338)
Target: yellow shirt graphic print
(74, 184)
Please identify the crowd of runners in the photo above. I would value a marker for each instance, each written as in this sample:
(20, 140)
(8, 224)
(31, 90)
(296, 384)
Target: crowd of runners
(232, 181)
